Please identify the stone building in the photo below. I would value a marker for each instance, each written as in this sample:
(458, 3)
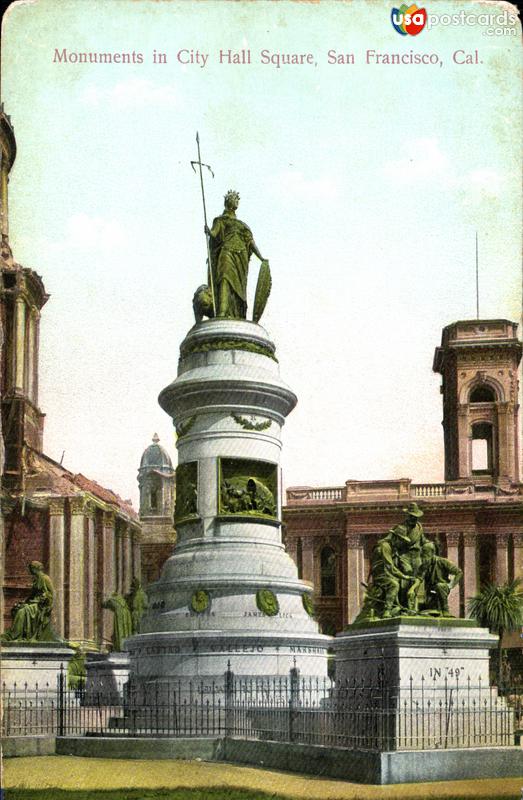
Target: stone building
(156, 481)
(86, 536)
(477, 511)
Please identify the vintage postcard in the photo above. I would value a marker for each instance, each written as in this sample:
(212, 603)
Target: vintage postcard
(372, 151)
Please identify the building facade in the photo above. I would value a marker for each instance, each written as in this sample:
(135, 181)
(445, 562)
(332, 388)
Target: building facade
(477, 512)
(156, 481)
(87, 538)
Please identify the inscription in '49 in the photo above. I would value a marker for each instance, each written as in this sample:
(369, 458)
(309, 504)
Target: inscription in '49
(445, 672)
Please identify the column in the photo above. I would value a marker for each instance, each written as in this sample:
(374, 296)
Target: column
(108, 574)
(502, 557)
(2, 555)
(504, 470)
(4, 179)
(118, 543)
(77, 570)
(56, 561)
(355, 560)
(517, 539)
(470, 566)
(291, 546)
(36, 358)
(453, 555)
(308, 560)
(126, 560)
(19, 344)
(31, 354)
(136, 541)
(464, 440)
(90, 574)
(2, 527)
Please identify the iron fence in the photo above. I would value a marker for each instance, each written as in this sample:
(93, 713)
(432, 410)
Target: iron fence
(427, 714)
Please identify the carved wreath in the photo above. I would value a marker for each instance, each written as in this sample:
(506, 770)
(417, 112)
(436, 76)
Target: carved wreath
(267, 602)
(308, 605)
(251, 426)
(200, 600)
(184, 427)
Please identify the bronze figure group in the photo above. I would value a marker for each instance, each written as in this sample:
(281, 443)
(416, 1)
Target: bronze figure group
(408, 576)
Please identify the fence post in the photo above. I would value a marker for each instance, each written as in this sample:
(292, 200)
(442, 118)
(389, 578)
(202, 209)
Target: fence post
(229, 700)
(61, 684)
(293, 698)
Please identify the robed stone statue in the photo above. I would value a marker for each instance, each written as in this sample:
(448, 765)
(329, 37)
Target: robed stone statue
(32, 617)
(123, 625)
(128, 612)
(137, 603)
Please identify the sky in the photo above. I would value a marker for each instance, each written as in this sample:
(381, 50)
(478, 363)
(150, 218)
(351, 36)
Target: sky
(364, 185)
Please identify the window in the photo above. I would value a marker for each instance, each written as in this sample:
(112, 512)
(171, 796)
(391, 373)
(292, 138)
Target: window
(482, 394)
(482, 449)
(299, 558)
(328, 563)
(154, 500)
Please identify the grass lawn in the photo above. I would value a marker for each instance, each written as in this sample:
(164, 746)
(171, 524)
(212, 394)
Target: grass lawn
(70, 778)
(218, 793)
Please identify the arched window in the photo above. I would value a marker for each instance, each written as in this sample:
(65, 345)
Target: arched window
(482, 449)
(482, 394)
(154, 499)
(328, 564)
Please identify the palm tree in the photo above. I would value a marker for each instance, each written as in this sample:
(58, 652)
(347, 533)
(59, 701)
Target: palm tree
(499, 608)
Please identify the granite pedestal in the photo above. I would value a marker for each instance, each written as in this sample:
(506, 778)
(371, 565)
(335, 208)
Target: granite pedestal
(106, 677)
(426, 680)
(32, 667)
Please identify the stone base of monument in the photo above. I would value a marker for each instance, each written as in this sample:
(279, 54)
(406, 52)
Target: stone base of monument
(424, 683)
(33, 667)
(203, 657)
(404, 648)
(106, 676)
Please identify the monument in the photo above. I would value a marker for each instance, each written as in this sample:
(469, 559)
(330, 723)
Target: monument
(107, 673)
(229, 593)
(32, 653)
(410, 658)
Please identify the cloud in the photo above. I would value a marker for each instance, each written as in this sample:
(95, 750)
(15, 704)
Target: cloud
(424, 159)
(425, 162)
(84, 231)
(132, 93)
(483, 181)
(294, 185)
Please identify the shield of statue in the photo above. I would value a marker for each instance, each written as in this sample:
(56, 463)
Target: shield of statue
(263, 290)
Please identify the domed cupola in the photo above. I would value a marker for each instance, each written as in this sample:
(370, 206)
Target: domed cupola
(156, 457)
(156, 481)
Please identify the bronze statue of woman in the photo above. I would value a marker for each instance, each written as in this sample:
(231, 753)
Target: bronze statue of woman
(231, 245)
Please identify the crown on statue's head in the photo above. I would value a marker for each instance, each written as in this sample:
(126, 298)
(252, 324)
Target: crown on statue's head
(232, 195)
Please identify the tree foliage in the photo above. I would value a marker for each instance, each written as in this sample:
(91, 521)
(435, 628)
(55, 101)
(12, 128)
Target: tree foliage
(499, 608)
